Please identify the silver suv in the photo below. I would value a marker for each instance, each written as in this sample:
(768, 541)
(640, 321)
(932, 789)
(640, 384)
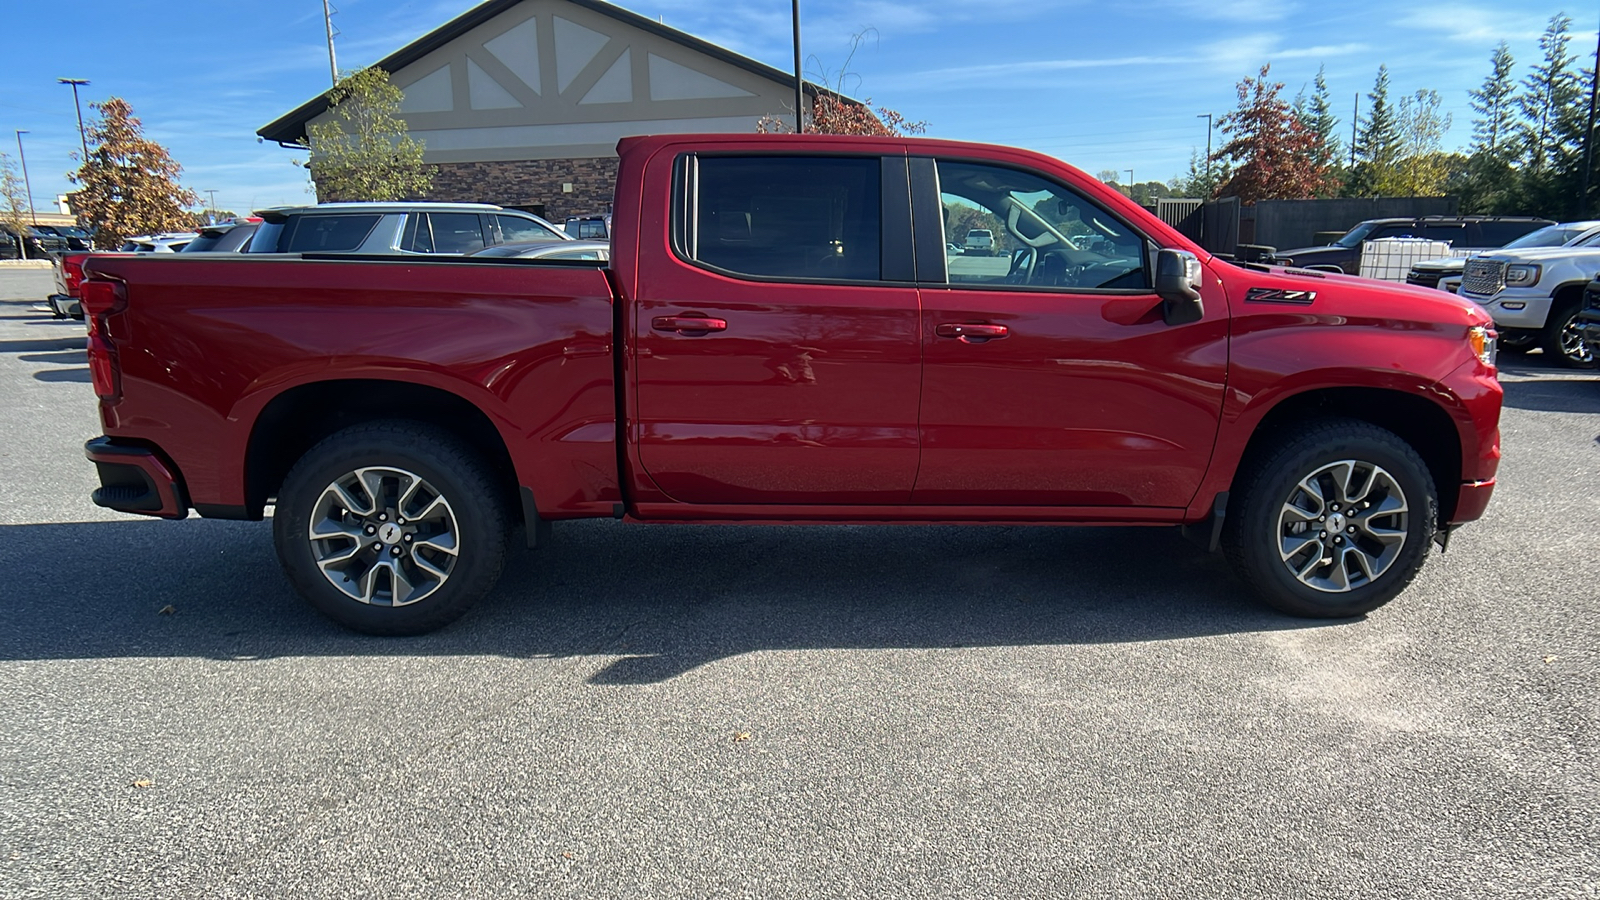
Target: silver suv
(391, 229)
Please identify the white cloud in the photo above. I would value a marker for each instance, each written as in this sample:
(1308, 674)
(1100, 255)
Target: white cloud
(1476, 25)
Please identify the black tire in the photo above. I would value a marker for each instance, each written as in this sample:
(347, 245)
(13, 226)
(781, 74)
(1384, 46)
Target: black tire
(1561, 341)
(474, 511)
(1254, 532)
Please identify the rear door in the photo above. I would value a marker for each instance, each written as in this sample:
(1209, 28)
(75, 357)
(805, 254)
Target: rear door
(778, 355)
(1050, 377)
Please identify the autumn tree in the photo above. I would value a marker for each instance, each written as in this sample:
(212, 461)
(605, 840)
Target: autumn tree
(15, 211)
(1422, 168)
(1273, 154)
(834, 113)
(129, 184)
(362, 150)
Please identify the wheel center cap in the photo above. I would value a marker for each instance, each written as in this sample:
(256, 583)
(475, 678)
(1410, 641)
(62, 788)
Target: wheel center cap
(1335, 524)
(389, 533)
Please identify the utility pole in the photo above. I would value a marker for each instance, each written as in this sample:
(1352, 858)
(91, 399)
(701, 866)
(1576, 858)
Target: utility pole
(76, 83)
(213, 205)
(799, 90)
(1588, 134)
(327, 20)
(25, 182)
(1130, 183)
(1207, 117)
(1355, 118)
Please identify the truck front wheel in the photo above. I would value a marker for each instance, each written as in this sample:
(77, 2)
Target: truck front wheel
(1563, 341)
(1333, 521)
(390, 528)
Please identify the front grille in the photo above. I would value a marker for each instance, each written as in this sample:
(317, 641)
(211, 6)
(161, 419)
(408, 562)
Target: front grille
(1485, 277)
(1423, 279)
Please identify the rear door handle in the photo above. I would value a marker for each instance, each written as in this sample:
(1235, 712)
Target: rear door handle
(692, 326)
(971, 332)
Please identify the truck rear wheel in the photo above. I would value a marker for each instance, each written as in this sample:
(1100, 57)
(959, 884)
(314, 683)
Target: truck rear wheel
(1333, 521)
(390, 528)
(1563, 341)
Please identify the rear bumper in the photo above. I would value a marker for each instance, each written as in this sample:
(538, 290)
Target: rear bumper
(65, 306)
(1472, 501)
(136, 480)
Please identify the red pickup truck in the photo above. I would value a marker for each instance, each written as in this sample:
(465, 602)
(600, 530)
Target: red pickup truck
(783, 335)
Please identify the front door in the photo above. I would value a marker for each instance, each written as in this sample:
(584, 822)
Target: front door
(1050, 377)
(778, 354)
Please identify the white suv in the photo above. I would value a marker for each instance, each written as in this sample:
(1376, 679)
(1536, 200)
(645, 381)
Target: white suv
(1534, 296)
(396, 229)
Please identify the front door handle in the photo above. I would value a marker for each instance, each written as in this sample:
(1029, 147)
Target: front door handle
(971, 332)
(691, 326)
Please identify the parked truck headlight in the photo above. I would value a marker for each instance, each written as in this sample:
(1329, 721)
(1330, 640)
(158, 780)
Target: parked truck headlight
(1522, 276)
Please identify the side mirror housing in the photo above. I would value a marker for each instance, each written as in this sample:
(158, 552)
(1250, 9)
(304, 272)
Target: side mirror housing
(1178, 280)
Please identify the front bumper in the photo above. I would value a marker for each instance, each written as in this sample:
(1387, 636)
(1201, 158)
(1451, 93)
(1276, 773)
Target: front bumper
(136, 480)
(1529, 307)
(1472, 501)
(1589, 326)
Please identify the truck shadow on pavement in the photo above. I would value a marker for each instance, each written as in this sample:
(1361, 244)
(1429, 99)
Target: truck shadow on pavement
(1577, 392)
(662, 600)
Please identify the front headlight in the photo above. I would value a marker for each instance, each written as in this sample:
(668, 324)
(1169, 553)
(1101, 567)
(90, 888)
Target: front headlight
(1483, 340)
(1522, 276)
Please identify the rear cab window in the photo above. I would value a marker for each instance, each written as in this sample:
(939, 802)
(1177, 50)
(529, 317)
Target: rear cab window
(785, 217)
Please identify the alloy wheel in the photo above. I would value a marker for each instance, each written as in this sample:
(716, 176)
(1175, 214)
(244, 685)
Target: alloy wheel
(1342, 526)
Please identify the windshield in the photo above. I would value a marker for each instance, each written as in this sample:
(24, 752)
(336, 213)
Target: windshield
(1353, 237)
(1548, 236)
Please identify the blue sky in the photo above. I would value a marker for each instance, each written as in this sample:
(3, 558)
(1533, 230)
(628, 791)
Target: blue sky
(1103, 84)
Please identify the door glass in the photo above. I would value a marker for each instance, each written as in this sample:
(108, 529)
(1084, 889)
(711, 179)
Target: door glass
(514, 229)
(330, 233)
(1010, 227)
(790, 217)
(456, 232)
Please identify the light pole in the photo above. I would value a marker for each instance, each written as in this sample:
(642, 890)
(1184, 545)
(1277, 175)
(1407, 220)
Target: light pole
(25, 182)
(1207, 117)
(799, 92)
(76, 82)
(1130, 183)
(333, 64)
(213, 206)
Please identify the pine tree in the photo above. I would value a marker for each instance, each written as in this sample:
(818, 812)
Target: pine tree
(362, 151)
(1548, 89)
(1378, 142)
(1274, 154)
(1493, 129)
(129, 184)
(1324, 125)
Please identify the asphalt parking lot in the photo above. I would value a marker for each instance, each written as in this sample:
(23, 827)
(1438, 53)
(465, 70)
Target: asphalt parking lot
(791, 712)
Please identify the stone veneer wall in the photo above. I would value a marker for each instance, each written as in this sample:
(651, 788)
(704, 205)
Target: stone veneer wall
(523, 183)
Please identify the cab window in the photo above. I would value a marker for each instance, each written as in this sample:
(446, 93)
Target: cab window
(1035, 233)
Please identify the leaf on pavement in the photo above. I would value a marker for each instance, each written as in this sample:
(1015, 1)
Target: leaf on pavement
(741, 737)
(168, 610)
(144, 783)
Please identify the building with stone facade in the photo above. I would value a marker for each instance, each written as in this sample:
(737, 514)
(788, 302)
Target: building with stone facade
(521, 102)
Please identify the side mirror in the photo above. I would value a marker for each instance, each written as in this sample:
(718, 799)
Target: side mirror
(1178, 280)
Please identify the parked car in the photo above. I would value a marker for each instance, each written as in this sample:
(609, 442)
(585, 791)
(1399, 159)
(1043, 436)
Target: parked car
(1534, 296)
(166, 242)
(980, 241)
(1588, 320)
(589, 250)
(67, 269)
(225, 237)
(396, 229)
(1431, 273)
(76, 238)
(590, 228)
(766, 344)
(1461, 232)
(38, 242)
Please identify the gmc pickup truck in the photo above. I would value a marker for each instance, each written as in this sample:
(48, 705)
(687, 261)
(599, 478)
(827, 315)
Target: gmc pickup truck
(781, 335)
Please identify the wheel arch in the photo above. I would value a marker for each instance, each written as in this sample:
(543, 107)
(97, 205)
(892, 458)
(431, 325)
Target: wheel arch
(1424, 424)
(298, 418)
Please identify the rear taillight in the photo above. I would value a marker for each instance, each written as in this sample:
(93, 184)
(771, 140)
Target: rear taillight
(102, 302)
(72, 272)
